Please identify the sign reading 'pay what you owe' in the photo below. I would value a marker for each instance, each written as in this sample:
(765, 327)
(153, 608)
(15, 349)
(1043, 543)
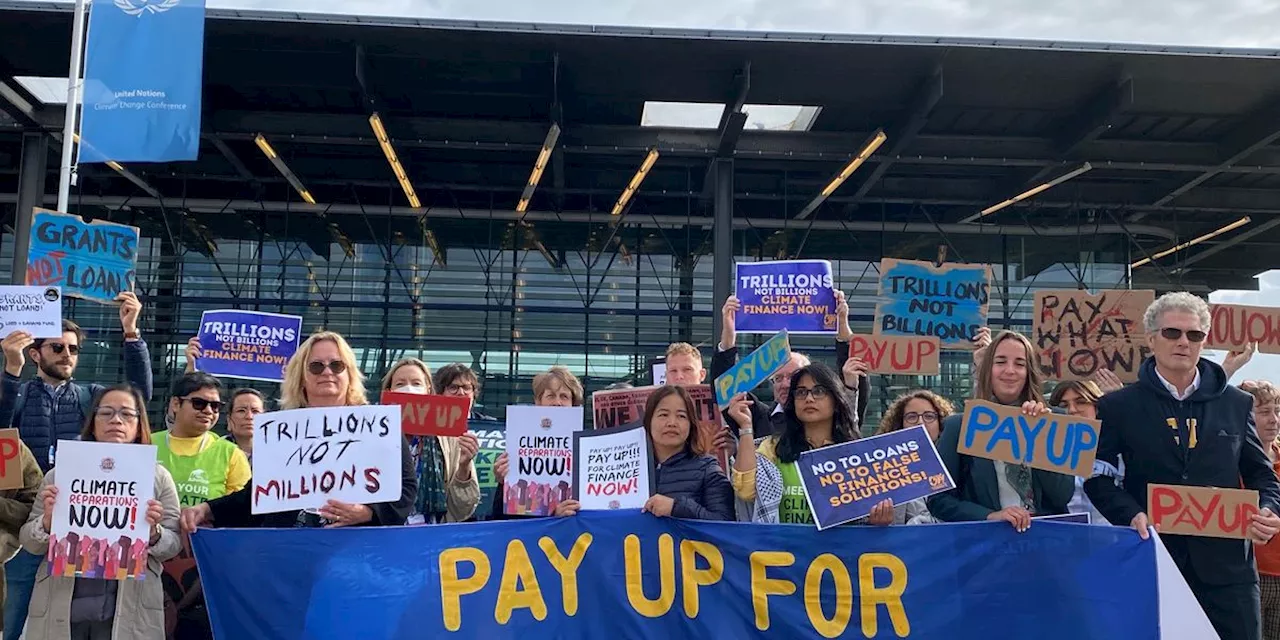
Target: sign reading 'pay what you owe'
(1050, 442)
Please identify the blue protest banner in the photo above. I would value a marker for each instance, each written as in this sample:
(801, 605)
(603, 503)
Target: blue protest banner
(143, 72)
(247, 344)
(629, 575)
(844, 481)
(90, 260)
(754, 369)
(791, 295)
(919, 299)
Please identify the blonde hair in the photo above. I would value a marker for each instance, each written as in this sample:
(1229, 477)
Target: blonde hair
(684, 349)
(1030, 389)
(542, 383)
(293, 392)
(405, 362)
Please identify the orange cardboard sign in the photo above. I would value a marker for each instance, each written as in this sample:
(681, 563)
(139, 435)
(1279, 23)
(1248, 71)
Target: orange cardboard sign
(429, 415)
(1076, 333)
(1201, 511)
(1232, 326)
(902, 355)
(10, 459)
(1052, 442)
(622, 407)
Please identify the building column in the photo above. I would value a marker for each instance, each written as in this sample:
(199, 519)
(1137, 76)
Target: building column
(32, 170)
(722, 242)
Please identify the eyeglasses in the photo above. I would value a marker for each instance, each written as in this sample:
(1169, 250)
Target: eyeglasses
(920, 418)
(781, 378)
(456, 389)
(817, 393)
(108, 414)
(58, 348)
(1173, 333)
(248, 411)
(200, 404)
(317, 368)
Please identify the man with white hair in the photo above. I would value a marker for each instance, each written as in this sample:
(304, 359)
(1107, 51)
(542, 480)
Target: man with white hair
(1183, 425)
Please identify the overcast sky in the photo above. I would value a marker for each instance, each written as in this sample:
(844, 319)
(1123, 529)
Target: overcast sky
(1234, 23)
(1263, 366)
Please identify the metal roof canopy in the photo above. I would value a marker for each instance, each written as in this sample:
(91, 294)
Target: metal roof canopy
(1181, 139)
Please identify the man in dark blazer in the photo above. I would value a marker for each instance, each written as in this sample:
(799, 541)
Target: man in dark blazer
(1181, 424)
(767, 419)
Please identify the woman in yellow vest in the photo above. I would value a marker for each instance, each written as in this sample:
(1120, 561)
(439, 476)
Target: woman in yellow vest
(448, 488)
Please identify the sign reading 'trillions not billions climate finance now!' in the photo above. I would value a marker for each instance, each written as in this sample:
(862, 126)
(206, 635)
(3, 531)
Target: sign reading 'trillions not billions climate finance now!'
(247, 344)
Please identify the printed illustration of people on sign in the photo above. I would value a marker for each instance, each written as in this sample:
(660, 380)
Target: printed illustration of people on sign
(540, 450)
(919, 299)
(90, 260)
(99, 525)
(247, 344)
(792, 295)
(614, 469)
(1076, 333)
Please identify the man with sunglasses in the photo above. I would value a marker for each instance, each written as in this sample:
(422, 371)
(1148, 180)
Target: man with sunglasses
(1181, 424)
(53, 407)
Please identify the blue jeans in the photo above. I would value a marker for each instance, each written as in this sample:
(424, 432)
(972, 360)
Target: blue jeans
(19, 581)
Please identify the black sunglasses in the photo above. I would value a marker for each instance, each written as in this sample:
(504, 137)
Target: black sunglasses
(317, 368)
(58, 348)
(1171, 333)
(200, 404)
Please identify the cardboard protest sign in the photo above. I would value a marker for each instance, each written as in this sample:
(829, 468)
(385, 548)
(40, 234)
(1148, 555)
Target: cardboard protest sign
(1051, 442)
(247, 344)
(540, 455)
(792, 295)
(91, 260)
(10, 460)
(1074, 518)
(901, 355)
(99, 525)
(1201, 511)
(614, 469)
(754, 369)
(492, 436)
(1233, 326)
(625, 407)
(302, 458)
(430, 415)
(1076, 333)
(35, 310)
(919, 299)
(843, 482)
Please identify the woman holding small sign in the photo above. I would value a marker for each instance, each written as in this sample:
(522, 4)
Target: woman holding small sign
(919, 408)
(105, 609)
(993, 490)
(555, 387)
(448, 489)
(689, 483)
(322, 373)
(818, 412)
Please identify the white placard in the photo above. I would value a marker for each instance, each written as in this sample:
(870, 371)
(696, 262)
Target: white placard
(35, 309)
(660, 373)
(614, 470)
(103, 489)
(540, 455)
(303, 458)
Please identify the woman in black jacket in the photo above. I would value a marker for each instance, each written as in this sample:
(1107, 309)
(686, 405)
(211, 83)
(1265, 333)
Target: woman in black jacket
(690, 484)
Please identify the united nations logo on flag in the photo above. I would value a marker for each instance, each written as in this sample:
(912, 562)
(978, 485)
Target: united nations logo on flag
(139, 7)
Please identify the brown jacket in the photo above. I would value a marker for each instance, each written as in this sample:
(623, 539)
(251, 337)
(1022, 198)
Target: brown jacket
(15, 507)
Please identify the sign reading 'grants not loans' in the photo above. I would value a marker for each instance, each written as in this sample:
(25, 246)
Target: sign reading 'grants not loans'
(247, 344)
(35, 310)
(1051, 442)
(302, 458)
(919, 299)
(1076, 333)
(91, 260)
(792, 295)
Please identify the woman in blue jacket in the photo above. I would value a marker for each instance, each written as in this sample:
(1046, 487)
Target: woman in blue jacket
(690, 484)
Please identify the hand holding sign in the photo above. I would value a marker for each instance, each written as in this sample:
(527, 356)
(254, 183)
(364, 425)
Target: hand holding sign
(130, 310)
(49, 497)
(1265, 525)
(15, 346)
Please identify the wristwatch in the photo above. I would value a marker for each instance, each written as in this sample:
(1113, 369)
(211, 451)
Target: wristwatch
(132, 335)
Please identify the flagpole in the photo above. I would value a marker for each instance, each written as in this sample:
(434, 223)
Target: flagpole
(73, 100)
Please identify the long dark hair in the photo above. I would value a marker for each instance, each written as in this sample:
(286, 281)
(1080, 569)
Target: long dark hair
(692, 443)
(144, 426)
(844, 422)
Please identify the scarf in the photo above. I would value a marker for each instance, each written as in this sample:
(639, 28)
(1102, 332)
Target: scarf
(432, 500)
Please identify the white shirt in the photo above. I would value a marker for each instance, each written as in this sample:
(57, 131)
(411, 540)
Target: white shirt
(1195, 384)
(1008, 495)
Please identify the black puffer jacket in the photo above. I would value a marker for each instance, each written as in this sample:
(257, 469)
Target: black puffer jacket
(697, 485)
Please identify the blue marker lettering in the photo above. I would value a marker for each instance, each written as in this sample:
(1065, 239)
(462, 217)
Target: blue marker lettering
(980, 419)
(1029, 435)
(1007, 430)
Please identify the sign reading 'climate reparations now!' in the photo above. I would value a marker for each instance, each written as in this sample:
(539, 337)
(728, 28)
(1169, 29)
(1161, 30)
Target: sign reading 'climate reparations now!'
(792, 295)
(1051, 442)
(90, 260)
(754, 369)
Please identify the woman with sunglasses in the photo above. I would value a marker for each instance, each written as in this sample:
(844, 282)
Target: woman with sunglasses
(68, 607)
(1080, 398)
(818, 413)
(919, 408)
(987, 489)
(448, 490)
(322, 373)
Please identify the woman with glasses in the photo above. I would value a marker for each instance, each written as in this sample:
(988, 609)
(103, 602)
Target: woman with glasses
(322, 373)
(919, 408)
(458, 379)
(987, 489)
(92, 609)
(246, 404)
(818, 413)
(448, 490)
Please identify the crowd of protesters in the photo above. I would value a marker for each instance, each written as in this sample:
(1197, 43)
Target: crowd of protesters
(1181, 423)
